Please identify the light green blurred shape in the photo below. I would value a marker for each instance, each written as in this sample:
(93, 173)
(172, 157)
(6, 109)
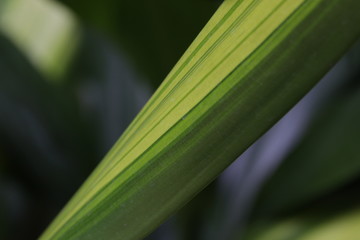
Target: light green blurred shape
(346, 226)
(44, 30)
(285, 230)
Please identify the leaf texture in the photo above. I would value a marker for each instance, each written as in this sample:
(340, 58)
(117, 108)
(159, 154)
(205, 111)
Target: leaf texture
(251, 63)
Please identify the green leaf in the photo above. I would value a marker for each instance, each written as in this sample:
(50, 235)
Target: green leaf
(252, 62)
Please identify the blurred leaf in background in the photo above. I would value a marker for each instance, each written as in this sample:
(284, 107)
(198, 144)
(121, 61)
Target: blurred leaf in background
(334, 161)
(154, 34)
(44, 31)
(65, 97)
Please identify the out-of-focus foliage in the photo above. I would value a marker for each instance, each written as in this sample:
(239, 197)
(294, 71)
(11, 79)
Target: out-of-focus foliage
(332, 163)
(37, 128)
(27, 21)
(332, 216)
(154, 34)
(309, 227)
(53, 133)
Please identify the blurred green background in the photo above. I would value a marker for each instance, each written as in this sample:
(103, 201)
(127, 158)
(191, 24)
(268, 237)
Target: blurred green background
(74, 73)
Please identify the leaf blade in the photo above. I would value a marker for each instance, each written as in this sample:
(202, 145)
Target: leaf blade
(190, 148)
